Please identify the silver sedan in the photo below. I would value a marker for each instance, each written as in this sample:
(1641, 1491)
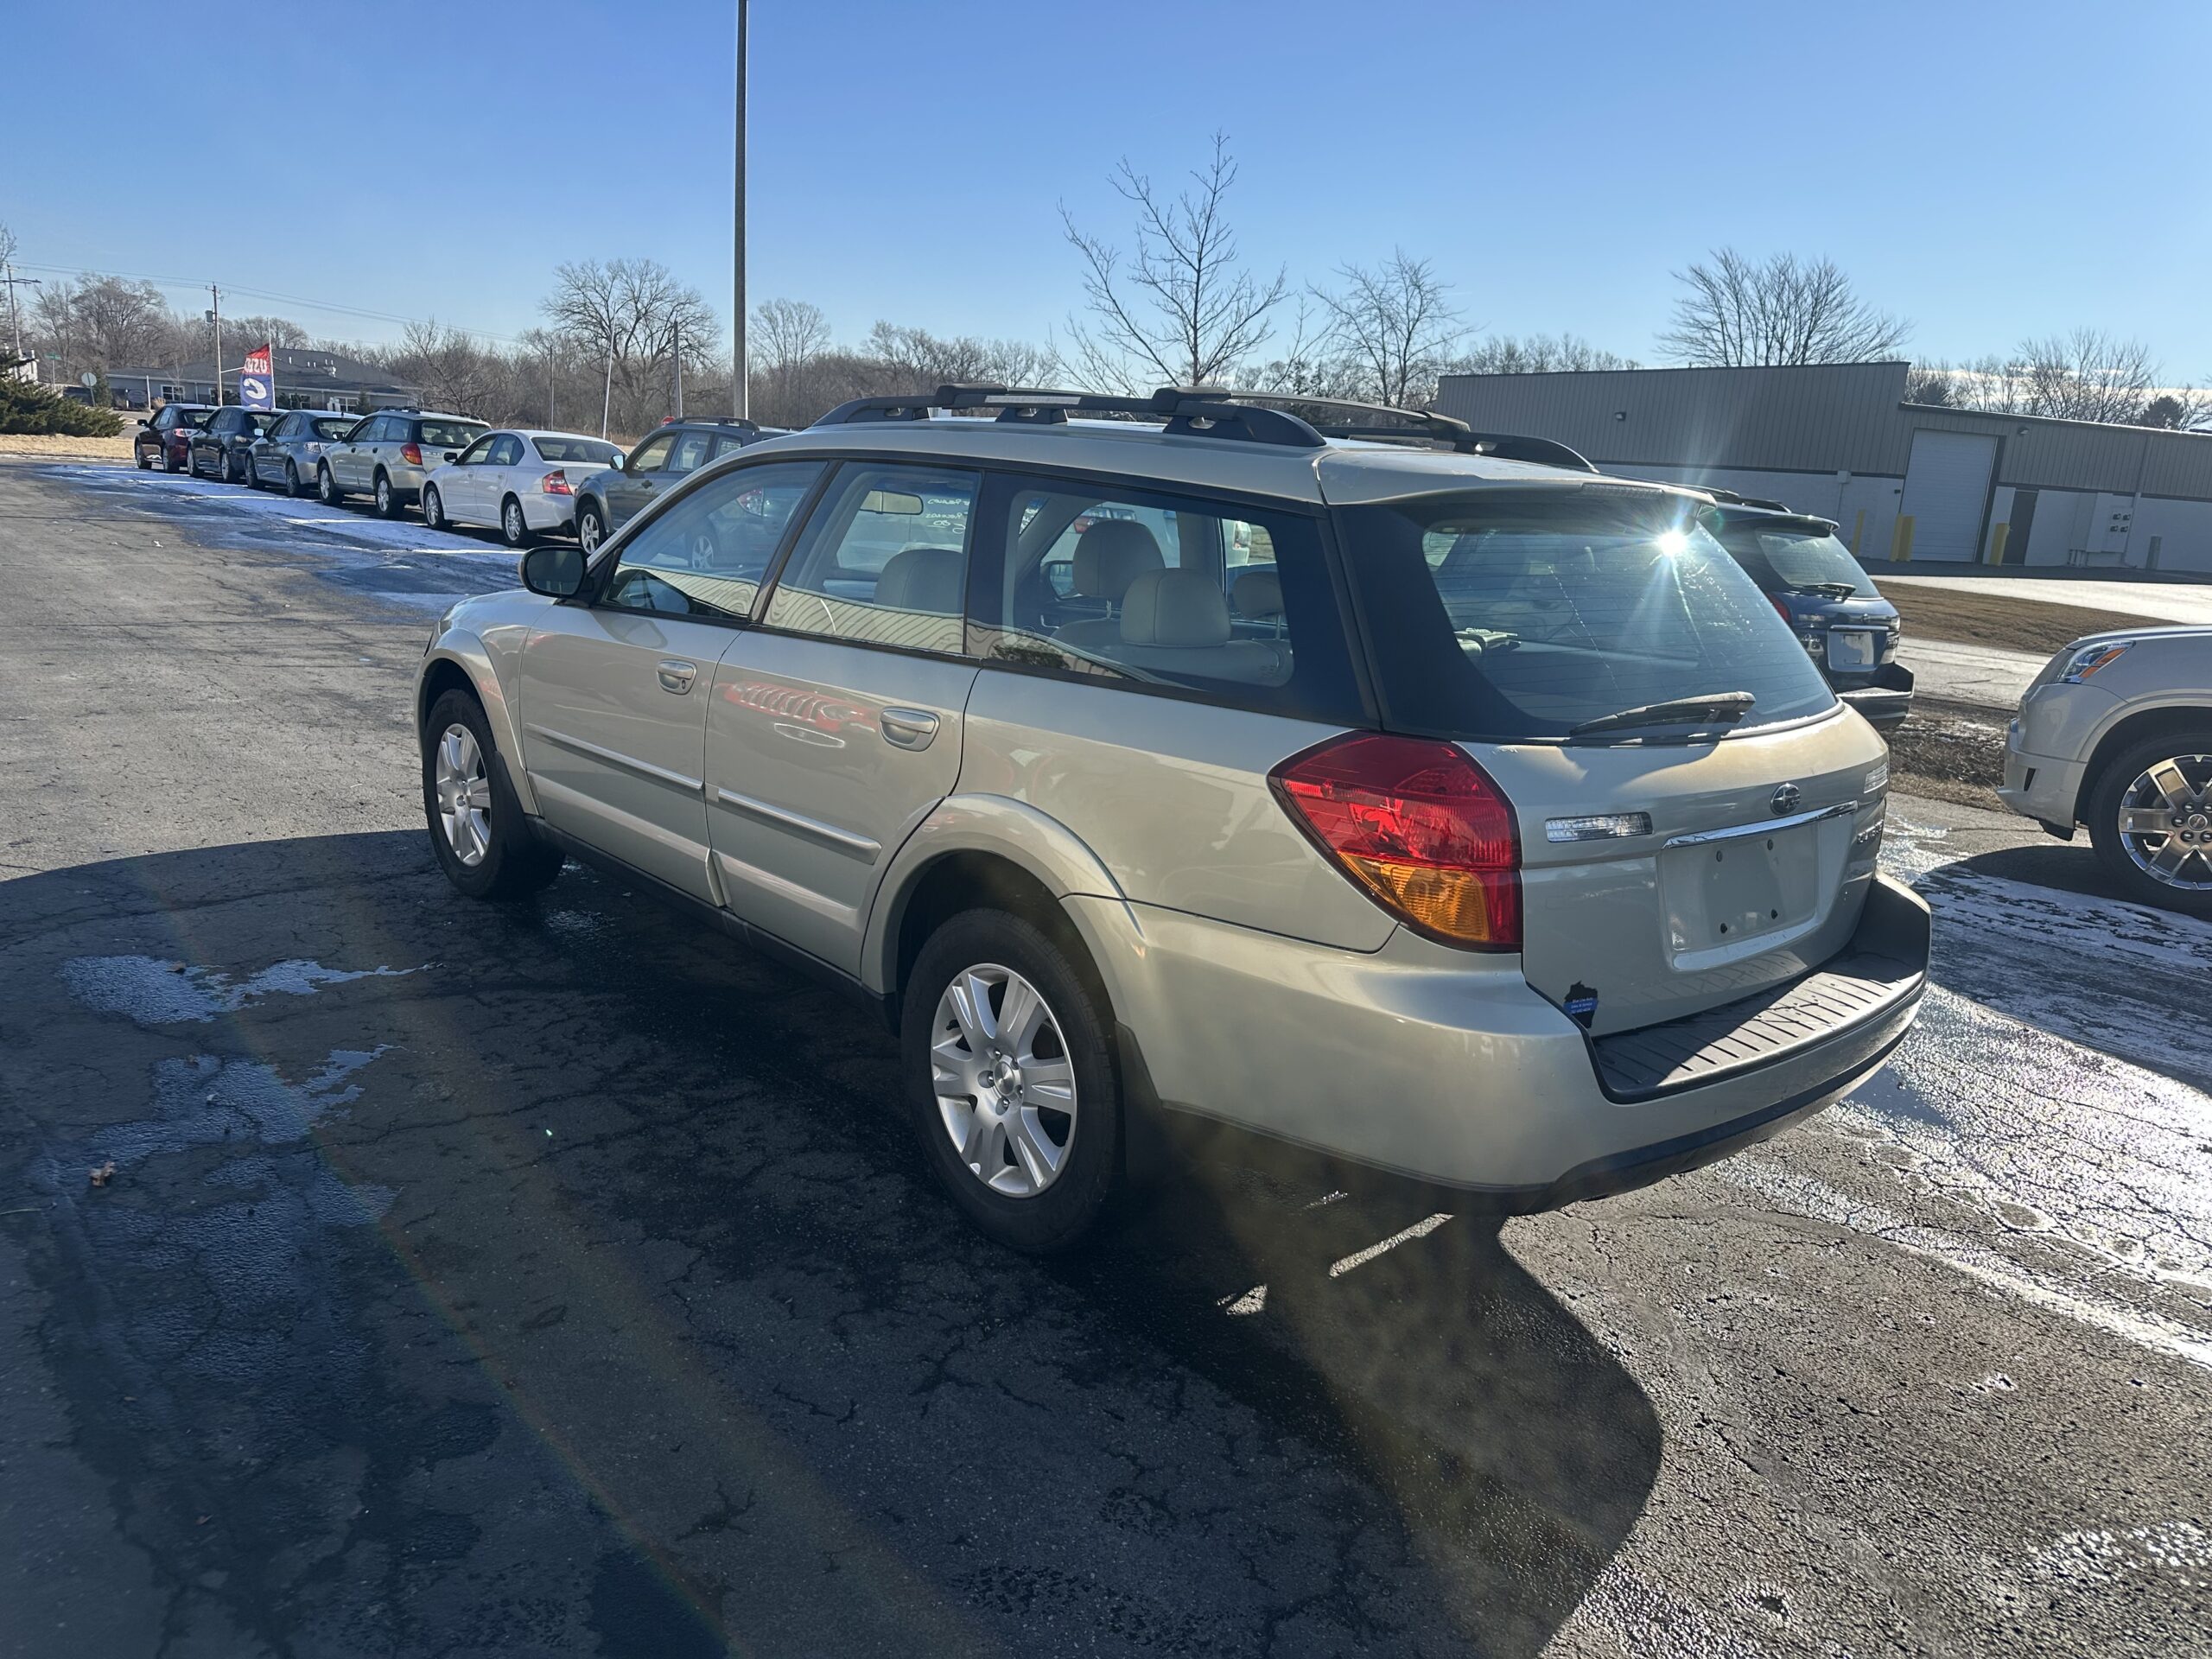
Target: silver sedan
(286, 455)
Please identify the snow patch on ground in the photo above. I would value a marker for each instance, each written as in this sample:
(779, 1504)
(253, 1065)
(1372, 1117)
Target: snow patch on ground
(154, 992)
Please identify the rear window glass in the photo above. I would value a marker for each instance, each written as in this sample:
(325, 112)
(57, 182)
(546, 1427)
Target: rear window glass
(1799, 559)
(589, 451)
(449, 435)
(336, 427)
(197, 418)
(1515, 616)
(1225, 601)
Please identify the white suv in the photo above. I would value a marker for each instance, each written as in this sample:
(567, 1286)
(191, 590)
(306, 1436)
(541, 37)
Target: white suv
(1349, 779)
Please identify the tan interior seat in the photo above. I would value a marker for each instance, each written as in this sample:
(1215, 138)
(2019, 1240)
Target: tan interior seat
(1109, 555)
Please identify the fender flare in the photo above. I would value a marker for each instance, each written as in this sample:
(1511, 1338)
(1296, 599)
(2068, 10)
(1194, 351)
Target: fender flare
(465, 652)
(2107, 730)
(995, 825)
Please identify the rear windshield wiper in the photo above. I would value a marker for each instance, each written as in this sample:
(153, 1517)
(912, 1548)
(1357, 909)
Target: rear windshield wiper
(1829, 589)
(1712, 709)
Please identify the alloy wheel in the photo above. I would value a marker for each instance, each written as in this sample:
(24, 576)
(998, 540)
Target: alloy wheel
(2166, 821)
(464, 796)
(512, 519)
(383, 495)
(433, 508)
(1004, 1082)
(589, 534)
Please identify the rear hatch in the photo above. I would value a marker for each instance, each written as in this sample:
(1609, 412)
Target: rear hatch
(1696, 814)
(1810, 576)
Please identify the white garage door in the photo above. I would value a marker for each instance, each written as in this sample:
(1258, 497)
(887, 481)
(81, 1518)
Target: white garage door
(1946, 488)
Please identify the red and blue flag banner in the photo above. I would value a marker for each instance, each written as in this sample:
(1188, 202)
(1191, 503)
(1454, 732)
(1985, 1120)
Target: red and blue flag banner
(258, 381)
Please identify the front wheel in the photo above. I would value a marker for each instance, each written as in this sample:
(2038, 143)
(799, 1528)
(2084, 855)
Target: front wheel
(433, 508)
(325, 488)
(591, 528)
(478, 832)
(1011, 1081)
(514, 529)
(2151, 821)
(145, 462)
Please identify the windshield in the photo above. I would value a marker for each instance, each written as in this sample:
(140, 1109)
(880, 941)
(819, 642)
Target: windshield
(1781, 558)
(592, 451)
(337, 427)
(1518, 615)
(450, 435)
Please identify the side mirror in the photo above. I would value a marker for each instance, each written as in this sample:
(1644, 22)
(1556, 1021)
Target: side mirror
(453, 455)
(554, 569)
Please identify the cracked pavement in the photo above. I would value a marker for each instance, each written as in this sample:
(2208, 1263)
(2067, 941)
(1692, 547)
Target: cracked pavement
(557, 1281)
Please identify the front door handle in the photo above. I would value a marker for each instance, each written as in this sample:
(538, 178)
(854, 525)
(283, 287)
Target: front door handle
(677, 677)
(909, 728)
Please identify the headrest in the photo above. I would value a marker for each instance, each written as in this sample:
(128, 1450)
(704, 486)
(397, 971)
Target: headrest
(1259, 592)
(1110, 553)
(925, 579)
(1174, 608)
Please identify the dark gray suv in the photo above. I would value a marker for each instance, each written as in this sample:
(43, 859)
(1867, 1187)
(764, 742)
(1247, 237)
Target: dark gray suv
(607, 500)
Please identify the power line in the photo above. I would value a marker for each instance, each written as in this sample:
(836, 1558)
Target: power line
(195, 283)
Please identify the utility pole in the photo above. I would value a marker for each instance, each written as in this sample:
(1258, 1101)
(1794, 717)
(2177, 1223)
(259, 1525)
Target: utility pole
(215, 316)
(607, 402)
(14, 316)
(741, 391)
(676, 331)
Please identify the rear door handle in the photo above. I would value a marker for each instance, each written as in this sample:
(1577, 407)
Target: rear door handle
(909, 728)
(677, 677)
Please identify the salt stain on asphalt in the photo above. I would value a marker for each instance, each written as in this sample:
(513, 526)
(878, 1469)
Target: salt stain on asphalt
(153, 991)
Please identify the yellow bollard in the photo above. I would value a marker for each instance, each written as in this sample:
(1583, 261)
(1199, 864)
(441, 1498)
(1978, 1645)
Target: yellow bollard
(1858, 533)
(1997, 534)
(1901, 540)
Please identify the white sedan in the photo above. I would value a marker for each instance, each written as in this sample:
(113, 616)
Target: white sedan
(515, 481)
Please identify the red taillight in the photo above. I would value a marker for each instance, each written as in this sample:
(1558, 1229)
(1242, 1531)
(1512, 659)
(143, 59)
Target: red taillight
(1418, 825)
(555, 483)
(1781, 606)
(411, 454)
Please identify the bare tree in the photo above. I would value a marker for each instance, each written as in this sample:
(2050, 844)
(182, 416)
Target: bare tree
(1538, 354)
(104, 322)
(1739, 313)
(2086, 375)
(1312, 364)
(632, 316)
(1176, 308)
(264, 330)
(1396, 327)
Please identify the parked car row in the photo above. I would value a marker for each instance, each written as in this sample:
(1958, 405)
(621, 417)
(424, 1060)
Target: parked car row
(523, 481)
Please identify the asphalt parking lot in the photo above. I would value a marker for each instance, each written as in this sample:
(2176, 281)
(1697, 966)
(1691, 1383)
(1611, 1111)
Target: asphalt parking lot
(555, 1280)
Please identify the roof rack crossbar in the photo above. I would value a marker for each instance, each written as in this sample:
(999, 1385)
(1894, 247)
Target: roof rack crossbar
(1277, 418)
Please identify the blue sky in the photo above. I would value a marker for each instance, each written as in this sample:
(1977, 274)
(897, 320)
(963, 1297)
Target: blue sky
(1988, 171)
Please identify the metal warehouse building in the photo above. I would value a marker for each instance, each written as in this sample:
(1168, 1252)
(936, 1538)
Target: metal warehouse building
(1902, 480)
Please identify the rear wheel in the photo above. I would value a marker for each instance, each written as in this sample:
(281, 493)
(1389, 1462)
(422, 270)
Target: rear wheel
(233, 472)
(326, 487)
(291, 478)
(478, 832)
(2150, 820)
(514, 529)
(170, 463)
(1011, 1081)
(387, 499)
(433, 508)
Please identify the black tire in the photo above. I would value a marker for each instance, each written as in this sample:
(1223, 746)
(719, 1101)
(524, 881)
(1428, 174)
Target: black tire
(2116, 775)
(516, 862)
(386, 498)
(326, 487)
(291, 480)
(591, 527)
(434, 507)
(514, 529)
(233, 472)
(145, 462)
(1067, 1207)
(168, 466)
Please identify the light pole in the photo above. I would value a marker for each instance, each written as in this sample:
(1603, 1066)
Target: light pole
(740, 391)
(14, 316)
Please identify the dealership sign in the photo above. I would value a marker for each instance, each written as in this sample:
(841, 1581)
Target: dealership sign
(258, 381)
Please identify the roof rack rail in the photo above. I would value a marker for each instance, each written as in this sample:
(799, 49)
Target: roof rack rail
(1285, 418)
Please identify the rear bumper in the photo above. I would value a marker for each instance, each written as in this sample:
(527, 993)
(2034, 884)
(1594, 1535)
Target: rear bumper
(1450, 1070)
(544, 512)
(1886, 700)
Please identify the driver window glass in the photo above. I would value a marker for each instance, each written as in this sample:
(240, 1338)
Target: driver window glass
(884, 560)
(652, 454)
(706, 554)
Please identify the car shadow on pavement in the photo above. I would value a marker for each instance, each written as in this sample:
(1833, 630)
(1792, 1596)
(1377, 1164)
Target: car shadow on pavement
(559, 1275)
